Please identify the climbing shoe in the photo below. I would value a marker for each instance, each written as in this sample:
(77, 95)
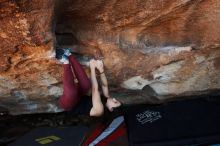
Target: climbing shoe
(59, 53)
(64, 59)
(67, 51)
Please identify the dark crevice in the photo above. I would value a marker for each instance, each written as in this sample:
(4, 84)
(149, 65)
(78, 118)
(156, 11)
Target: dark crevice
(65, 39)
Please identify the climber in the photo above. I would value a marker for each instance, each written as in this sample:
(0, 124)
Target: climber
(111, 102)
(76, 84)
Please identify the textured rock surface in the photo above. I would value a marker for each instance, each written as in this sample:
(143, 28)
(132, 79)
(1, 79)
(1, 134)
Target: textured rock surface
(171, 45)
(30, 80)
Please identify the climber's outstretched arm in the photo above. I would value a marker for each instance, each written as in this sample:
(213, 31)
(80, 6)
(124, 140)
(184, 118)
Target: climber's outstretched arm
(104, 81)
(97, 106)
(111, 102)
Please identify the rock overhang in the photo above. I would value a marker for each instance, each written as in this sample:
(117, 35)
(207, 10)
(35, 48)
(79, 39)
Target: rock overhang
(171, 46)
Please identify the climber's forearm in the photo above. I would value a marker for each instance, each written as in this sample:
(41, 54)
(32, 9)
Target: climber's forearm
(104, 79)
(94, 79)
(104, 85)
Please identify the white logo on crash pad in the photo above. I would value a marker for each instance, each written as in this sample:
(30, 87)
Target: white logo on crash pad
(148, 116)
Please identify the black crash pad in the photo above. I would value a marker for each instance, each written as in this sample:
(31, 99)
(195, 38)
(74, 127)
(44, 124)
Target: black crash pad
(60, 136)
(189, 122)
